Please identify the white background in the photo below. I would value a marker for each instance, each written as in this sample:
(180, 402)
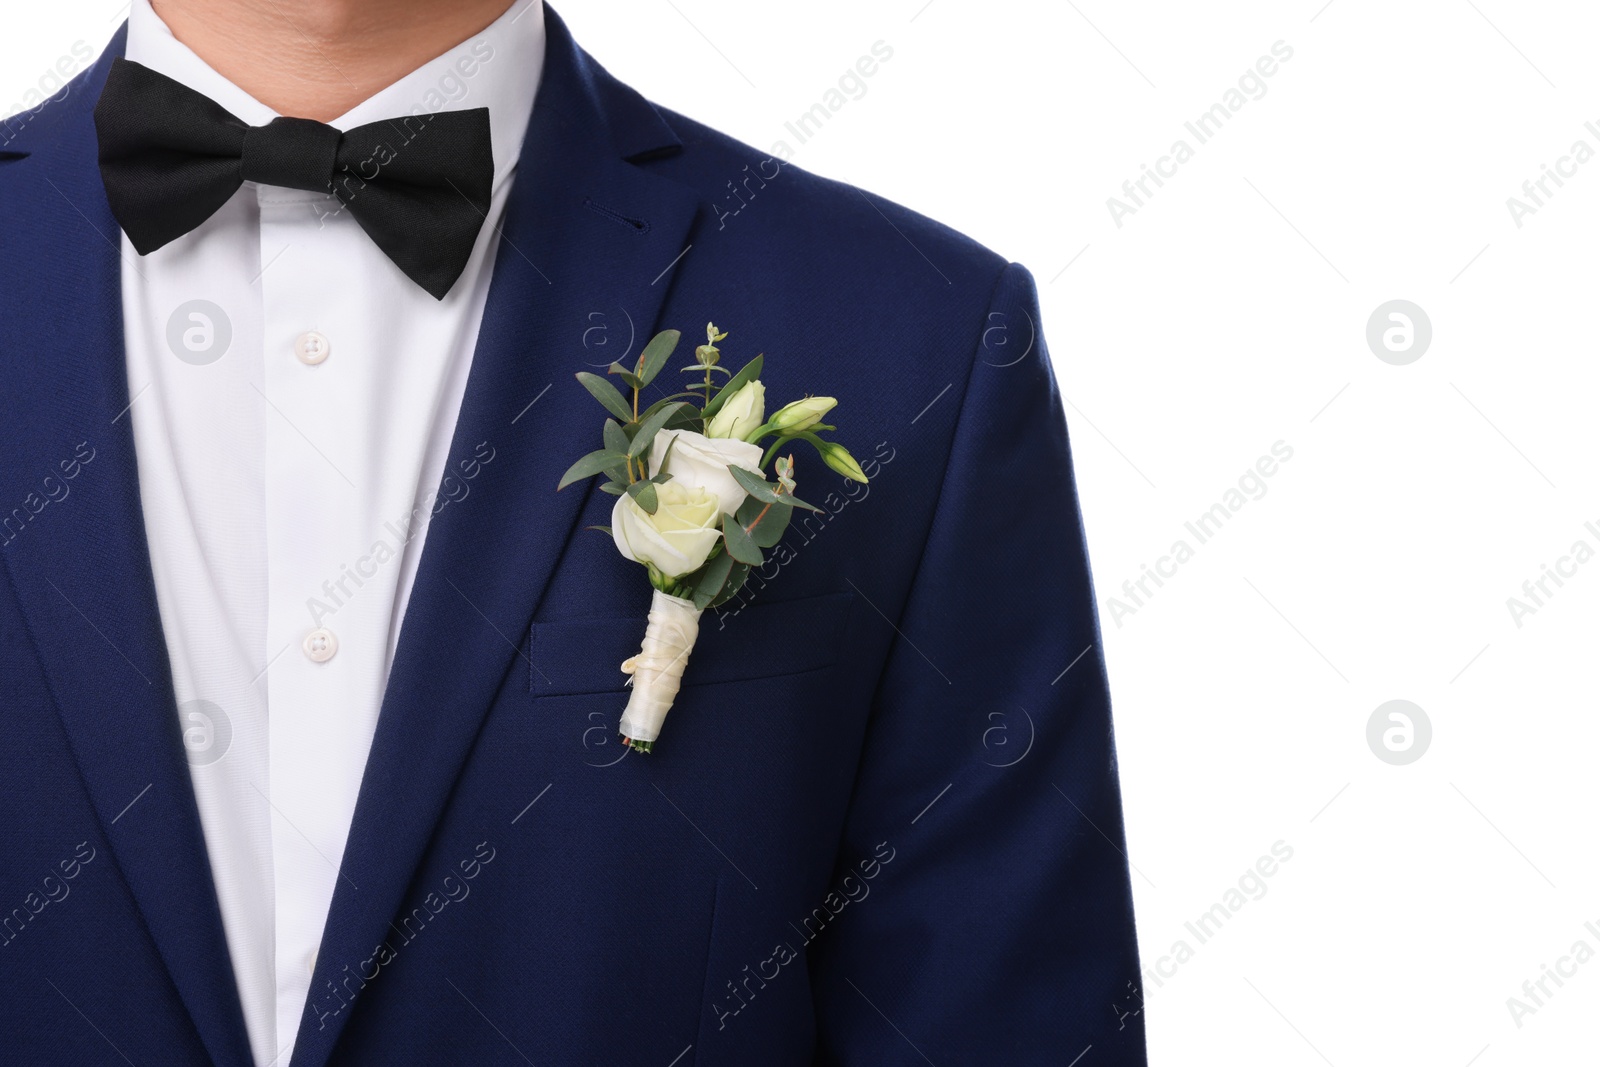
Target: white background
(1229, 313)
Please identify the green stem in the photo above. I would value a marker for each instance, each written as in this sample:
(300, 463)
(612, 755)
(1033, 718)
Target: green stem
(757, 520)
(766, 457)
(755, 435)
(631, 478)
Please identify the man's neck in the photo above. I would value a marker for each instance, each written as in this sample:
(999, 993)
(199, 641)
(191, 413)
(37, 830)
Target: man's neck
(317, 59)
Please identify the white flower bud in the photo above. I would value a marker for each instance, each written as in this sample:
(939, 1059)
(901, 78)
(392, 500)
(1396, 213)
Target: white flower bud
(740, 414)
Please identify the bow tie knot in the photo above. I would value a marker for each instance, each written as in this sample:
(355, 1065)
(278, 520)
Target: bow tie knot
(171, 157)
(292, 153)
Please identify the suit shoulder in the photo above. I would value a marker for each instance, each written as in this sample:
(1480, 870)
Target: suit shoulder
(823, 216)
(28, 131)
(885, 308)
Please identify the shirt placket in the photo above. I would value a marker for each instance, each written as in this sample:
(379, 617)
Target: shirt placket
(314, 494)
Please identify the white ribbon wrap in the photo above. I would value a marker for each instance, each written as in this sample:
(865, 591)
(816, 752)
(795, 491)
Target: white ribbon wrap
(658, 668)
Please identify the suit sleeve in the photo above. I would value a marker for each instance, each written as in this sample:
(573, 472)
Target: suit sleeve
(1000, 929)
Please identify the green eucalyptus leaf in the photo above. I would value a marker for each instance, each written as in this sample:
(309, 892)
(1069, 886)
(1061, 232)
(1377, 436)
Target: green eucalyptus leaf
(614, 488)
(664, 401)
(655, 354)
(709, 579)
(746, 373)
(686, 417)
(740, 546)
(647, 430)
(607, 394)
(590, 465)
(754, 484)
(735, 582)
(749, 510)
(603, 529)
(644, 494)
(616, 438)
(770, 521)
(626, 375)
(761, 489)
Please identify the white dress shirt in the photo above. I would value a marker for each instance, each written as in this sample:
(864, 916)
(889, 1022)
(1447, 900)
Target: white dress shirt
(294, 400)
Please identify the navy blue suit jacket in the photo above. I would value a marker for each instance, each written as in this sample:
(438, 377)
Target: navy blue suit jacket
(883, 825)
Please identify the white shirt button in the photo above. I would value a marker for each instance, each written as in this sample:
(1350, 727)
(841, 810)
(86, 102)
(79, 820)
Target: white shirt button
(320, 645)
(311, 963)
(311, 348)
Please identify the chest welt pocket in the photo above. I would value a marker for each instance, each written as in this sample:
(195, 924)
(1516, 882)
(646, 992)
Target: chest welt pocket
(760, 640)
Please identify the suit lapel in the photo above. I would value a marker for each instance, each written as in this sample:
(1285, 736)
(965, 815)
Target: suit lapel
(79, 564)
(586, 230)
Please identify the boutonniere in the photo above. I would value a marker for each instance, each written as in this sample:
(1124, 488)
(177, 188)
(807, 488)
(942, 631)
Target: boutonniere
(694, 503)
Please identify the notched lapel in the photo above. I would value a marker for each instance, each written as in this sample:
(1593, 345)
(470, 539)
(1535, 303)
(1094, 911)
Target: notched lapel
(589, 239)
(79, 565)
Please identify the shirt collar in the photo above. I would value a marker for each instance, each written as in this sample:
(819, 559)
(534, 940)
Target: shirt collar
(498, 68)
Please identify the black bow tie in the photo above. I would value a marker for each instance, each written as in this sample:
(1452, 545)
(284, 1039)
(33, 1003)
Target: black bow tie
(419, 185)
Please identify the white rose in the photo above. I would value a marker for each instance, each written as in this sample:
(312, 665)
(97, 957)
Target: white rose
(702, 462)
(678, 537)
(741, 414)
